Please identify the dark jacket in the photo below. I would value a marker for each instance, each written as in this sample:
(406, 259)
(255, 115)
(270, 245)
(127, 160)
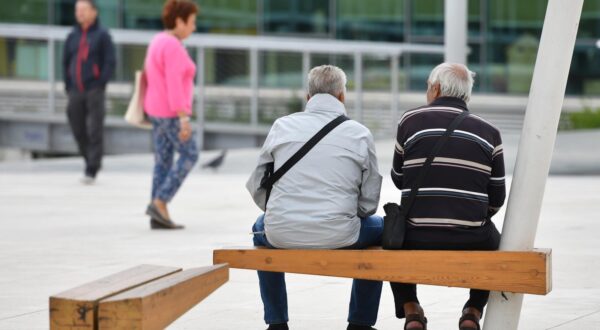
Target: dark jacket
(88, 58)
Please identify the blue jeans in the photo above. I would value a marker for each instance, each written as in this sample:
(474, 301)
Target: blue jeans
(364, 299)
(168, 178)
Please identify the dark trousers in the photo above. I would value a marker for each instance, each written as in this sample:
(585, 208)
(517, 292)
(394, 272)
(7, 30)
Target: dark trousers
(405, 293)
(86, 111)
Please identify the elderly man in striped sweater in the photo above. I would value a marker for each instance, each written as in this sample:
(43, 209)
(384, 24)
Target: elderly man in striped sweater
(464, 187)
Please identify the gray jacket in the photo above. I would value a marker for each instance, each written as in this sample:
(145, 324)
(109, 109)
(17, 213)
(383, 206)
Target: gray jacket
(318, 203)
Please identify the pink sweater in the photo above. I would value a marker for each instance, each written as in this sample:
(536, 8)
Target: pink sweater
(170, 73)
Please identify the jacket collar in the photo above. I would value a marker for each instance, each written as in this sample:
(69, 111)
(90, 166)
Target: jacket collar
(448, 101)
(325, 103)
(92, 27)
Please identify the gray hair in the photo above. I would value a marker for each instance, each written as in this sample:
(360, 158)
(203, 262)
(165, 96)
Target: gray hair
(455, 80)
(326, 79)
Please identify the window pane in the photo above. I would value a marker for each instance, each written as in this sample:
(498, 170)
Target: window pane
(474, 18)
(23, 59)
(420, 67)
(308, 17)
(281, 70)
(428, 18)
(381, 20)
(513, 33)
(24, 11)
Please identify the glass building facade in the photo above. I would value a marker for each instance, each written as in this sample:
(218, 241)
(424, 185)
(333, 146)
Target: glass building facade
(503, 38)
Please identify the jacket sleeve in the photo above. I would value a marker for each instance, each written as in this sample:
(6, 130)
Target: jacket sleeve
(497, 186)
(66, 60)
(265, 157)
(109, 58)
(368, 200)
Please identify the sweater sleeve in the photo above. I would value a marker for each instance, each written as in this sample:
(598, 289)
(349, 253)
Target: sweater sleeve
(176, 59)
(497, 186)
(398, 161)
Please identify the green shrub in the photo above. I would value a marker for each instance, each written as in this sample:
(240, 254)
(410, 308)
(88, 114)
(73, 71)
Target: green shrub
(586, 119)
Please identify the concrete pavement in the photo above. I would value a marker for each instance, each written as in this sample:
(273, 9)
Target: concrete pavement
(56, 234)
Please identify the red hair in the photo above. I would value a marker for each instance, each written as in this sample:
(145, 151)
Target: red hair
(174, 9)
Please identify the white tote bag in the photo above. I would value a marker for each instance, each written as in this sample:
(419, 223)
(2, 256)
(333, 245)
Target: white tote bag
(135, 111)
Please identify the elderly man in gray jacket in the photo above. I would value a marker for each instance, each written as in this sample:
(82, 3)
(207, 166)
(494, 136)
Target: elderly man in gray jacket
(325, 201)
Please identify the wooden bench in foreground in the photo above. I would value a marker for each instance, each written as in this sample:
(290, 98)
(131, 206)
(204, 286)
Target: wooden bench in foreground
(143, 297)
(518, 272)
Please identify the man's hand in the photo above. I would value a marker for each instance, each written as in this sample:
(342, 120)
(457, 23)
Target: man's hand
(185, 129)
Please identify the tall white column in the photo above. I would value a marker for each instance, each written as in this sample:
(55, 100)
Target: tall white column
(535, 148)
(455, 31)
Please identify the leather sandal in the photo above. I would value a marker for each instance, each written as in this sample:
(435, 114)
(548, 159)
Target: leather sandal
(469, 317)
(416, 318)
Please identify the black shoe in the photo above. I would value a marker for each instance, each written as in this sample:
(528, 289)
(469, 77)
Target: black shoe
(279, 326)
(156, 224)
(158, 221)
(352, 326)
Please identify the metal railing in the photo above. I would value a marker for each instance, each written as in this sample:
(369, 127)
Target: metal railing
(253, 45)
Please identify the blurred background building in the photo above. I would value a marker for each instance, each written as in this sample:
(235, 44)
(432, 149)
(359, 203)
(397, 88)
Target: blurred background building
(503, 39)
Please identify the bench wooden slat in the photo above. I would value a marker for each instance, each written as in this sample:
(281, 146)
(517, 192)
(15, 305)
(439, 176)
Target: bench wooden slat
(519, 272)
(75, 308)
(159, 303)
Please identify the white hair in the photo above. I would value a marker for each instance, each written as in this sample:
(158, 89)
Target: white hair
(326, 79)
(456, 80)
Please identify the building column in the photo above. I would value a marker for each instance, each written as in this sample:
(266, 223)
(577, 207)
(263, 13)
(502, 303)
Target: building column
(546, 98)
(455, 31)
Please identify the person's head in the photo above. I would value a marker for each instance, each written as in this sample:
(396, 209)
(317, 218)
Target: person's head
(450, 79)
(327, 79)
(179, 16)
(85, 12)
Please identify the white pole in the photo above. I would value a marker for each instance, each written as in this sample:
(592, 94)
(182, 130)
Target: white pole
(535, 149)
(455, 31)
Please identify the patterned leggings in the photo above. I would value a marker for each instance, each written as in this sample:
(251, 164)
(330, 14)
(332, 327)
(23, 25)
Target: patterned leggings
(168, 177)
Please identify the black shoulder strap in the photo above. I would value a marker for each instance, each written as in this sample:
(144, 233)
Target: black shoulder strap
(267, 184)
(436, 150)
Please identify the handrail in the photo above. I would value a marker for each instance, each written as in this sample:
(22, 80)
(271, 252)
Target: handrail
(207, 40)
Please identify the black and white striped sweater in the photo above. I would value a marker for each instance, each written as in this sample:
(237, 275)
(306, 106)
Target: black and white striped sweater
(465, 185)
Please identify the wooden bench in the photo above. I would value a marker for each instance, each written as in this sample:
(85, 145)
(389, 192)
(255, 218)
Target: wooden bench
(152, 297)
(143, 297)
(518, 272)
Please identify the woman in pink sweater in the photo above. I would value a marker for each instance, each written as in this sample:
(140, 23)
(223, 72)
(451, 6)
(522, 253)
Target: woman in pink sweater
(168, 102)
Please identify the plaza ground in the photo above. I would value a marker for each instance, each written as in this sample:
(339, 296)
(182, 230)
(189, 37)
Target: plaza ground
(56, 234)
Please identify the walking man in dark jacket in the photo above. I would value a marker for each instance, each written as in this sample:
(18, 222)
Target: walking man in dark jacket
(88, 64)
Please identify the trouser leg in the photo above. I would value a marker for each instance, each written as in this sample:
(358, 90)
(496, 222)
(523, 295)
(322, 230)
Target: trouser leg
(77, 114)
(364, 302)
(188, 156)
(403, 293)
(365, 295)
(164, 153)
(478, 298)
(272, 284)
(95, 104)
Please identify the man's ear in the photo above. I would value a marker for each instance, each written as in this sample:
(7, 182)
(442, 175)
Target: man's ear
(437, 91)
(342, 97)
(307, 97)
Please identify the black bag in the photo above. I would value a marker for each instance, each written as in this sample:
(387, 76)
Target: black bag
(270, 177)
(394, 221)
